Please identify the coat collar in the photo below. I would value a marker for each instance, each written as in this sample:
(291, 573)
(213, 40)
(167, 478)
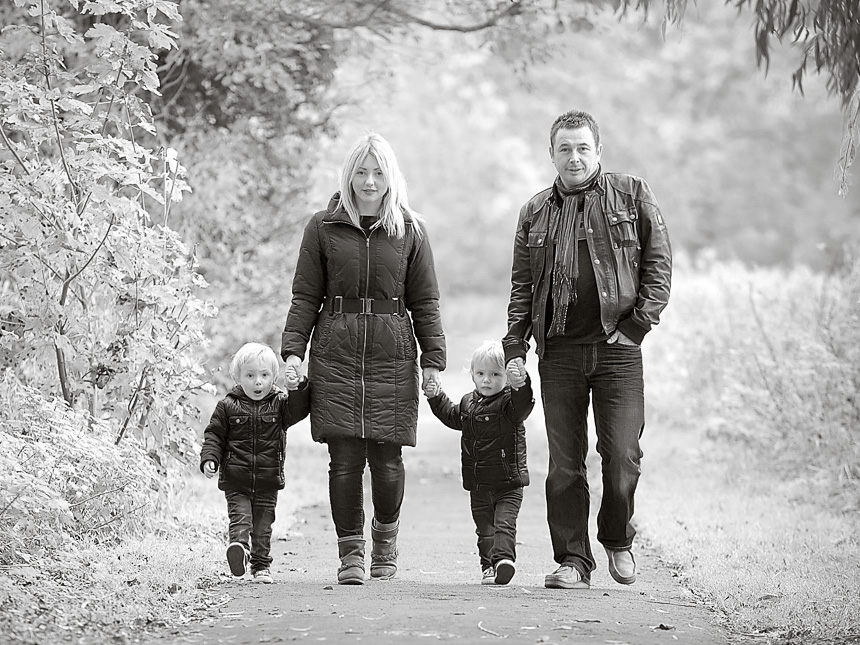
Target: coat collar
(335, 212)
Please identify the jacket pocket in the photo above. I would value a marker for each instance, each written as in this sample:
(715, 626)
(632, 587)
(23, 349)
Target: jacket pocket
(537, 250)
(405, 338)
(322, 330)
(509, 474)
(624, 236)
(622, 228)
(240, 426)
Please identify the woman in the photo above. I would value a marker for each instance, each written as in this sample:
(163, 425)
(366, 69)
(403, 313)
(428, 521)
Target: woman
(364, 290)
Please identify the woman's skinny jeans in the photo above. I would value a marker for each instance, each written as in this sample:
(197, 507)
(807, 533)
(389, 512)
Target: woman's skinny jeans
(348, 457)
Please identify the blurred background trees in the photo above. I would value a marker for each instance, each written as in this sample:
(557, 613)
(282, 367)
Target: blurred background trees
(259, 101)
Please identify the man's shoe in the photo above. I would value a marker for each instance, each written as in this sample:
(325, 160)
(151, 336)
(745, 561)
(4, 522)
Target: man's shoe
(488, 577)
(622, 566)
(237, 558)
(505, 570)
(263, 575)
(566, 576)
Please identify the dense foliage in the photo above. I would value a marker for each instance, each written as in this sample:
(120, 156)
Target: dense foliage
(98, 293)
(62, 479)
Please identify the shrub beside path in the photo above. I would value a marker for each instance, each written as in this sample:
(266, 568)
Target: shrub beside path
(436, 595)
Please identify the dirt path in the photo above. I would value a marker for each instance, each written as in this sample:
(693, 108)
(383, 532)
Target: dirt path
(436, 595)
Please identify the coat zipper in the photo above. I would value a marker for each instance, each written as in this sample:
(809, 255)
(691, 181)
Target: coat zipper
(364, 346)
(254, 425)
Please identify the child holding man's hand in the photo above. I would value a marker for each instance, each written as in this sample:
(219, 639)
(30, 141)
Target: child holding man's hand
(493, 453)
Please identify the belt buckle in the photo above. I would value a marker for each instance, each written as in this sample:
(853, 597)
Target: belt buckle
(337, 305)
(366, 306)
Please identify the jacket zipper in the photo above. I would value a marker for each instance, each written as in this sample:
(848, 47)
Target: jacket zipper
(254, 424)
(364, 346)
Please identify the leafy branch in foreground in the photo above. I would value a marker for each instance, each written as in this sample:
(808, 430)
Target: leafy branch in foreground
(88, 284)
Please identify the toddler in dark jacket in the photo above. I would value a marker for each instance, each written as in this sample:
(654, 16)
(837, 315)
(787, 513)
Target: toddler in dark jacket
(246, 441)
(493, 454)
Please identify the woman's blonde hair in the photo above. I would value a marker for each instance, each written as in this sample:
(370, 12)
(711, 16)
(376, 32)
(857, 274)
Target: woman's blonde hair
(395, 202)
(250, 352)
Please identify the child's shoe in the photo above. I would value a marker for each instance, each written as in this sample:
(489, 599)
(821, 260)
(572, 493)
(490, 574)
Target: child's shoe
(505, 570)
(489, 576)
(263, 576)
(237, 558)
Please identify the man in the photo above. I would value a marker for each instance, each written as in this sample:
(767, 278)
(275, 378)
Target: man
(591, 273)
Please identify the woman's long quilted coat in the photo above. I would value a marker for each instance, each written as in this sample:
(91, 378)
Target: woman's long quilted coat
(363, 369)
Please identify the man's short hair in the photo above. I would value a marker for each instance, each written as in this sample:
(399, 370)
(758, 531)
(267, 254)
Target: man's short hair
(250, 352)
(572, 120)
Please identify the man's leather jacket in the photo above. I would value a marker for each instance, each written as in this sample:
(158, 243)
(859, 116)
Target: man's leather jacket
(629, 249)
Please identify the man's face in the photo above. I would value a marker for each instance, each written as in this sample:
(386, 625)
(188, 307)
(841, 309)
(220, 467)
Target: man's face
(575, 155)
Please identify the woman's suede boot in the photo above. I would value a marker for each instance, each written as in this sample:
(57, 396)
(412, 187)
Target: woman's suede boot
(351, 551)
(383, 555)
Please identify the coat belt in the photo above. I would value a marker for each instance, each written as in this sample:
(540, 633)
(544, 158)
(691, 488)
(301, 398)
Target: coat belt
(341, 305)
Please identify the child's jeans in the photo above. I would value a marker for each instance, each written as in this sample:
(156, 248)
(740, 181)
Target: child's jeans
(495, 513)
(251, 518)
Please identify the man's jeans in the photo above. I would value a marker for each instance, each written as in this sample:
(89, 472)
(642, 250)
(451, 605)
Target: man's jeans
(495, 513)
(346, 488)
(251, 518)
(612, 374)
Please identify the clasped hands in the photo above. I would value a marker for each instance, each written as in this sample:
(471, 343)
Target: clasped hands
(431, 382)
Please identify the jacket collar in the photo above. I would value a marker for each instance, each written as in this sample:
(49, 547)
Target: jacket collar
(337, 213)
(489, 399)
(238, 393)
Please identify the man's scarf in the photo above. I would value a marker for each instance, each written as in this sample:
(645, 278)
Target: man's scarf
(565, 272)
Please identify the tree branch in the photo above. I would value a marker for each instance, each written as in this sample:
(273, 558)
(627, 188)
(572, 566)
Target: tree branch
(71, 278)
(514, 9)
(12, 150)
(387, 7)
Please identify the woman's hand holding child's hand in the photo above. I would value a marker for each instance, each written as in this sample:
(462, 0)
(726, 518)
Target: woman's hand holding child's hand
(432, 388)
(209, 469)
(291, 378)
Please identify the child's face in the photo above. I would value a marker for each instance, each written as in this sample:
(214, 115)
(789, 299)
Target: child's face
(256, 378)
(489, 378)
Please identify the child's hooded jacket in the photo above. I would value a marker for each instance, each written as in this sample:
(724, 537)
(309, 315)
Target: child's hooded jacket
(247, 439)
(493, 445)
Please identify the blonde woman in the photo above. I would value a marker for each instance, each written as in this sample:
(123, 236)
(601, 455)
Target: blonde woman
(366, 300)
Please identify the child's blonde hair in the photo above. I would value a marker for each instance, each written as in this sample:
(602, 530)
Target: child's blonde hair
(253, 351)
(490, 350)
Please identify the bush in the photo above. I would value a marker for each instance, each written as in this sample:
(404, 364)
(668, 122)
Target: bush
(63, 478)
(771, 360)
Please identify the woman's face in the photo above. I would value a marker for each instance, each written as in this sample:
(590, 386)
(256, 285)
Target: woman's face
(369, 185)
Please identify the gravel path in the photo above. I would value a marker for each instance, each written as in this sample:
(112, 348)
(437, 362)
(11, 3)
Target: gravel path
(436, 595)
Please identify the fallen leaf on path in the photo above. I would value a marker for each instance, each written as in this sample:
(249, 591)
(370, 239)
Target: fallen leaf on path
(662, 626)
(586, 620)
(489, 631)
(301, 629)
